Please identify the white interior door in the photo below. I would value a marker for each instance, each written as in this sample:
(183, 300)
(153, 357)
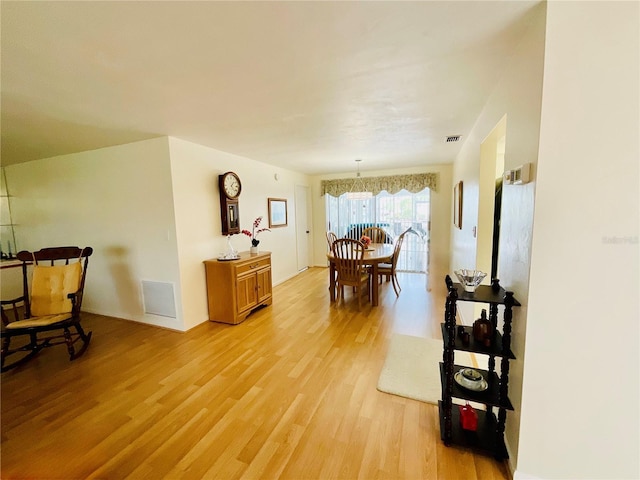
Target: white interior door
(303, 235)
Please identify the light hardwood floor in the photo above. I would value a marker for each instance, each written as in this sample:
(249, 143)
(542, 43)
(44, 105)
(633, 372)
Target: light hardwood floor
(290, 393)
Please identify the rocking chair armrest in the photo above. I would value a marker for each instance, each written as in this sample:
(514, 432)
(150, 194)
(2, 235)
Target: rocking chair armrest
(75, 298)
(13, 307)
(13, 301)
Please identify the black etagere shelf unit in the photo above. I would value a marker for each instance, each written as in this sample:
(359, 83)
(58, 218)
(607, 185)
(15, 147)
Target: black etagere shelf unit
(488, 438)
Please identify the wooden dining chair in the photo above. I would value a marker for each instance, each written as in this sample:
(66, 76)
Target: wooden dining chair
(47, 311)
(388, 270)
(331, 237)
(350, 267)
(377, 235)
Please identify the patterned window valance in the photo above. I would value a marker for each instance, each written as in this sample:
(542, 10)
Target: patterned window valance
(413, 183)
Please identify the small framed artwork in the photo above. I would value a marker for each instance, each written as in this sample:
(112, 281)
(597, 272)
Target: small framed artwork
(457, 205)
(277, 212)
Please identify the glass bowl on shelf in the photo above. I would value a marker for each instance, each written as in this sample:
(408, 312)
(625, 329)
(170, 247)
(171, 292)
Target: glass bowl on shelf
(470, 279)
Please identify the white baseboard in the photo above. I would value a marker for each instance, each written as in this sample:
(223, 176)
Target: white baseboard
(518, 475)
(282, 280)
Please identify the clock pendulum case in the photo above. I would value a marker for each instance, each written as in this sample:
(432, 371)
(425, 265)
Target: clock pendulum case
(230, 188)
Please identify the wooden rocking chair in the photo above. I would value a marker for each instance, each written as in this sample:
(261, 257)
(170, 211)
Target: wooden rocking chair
(53, 307)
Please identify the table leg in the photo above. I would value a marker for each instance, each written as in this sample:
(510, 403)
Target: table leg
(374, 284)
(332, 281)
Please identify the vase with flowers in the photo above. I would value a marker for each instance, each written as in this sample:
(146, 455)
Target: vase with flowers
(253, 234)
(366, 241)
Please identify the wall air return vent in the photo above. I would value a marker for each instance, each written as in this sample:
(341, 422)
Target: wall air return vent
(453, 138)
(158, 298)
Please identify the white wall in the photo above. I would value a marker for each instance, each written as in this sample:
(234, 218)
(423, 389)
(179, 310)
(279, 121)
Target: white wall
(195, 171)
(118, 201)
(580, 393)
(441, 214)
(11, 279)
(518, 95)
(151, 212)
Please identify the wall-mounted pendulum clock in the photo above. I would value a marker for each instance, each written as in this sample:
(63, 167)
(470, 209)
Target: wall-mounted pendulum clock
(230, 188)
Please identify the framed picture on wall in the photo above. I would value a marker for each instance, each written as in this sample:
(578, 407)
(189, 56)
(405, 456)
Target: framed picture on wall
(457, 205)
(277, 212)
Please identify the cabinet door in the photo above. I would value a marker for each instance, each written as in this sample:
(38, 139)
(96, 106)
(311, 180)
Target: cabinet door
(246, 287)
(264, 283)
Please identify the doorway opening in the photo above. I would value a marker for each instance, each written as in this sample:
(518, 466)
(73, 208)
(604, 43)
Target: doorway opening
(492, 151)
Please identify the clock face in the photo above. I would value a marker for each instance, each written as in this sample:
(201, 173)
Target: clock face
(231, 185)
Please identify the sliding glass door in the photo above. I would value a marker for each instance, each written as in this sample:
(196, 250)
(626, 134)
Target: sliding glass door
(394, 213)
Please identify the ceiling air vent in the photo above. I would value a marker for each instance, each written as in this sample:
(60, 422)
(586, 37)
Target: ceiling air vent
(453, 138)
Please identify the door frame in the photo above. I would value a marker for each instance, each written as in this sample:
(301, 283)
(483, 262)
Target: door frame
(303, 230)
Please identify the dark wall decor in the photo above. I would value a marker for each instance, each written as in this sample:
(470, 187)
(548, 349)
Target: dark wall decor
(230, 188)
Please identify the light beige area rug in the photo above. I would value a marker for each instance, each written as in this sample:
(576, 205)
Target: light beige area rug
(412, 369)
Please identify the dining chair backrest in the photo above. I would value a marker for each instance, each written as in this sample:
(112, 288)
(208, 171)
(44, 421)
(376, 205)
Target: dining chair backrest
(398, 247)
(377, 235)
(349, 259)
(331, 237)
(389, 269)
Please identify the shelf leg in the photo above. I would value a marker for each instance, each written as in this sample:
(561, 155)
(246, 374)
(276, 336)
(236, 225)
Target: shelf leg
(492, 363)
(493, 315)
(447, 360)
(506, 344)
(504, 367)
(502, 418)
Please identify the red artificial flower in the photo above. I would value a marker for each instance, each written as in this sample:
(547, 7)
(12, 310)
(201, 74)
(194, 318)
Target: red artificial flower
(253, 233)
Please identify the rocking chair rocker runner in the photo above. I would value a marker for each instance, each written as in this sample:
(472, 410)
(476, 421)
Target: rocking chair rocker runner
(52, 309)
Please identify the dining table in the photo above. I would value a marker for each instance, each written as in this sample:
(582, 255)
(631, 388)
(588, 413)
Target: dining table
(374, 255)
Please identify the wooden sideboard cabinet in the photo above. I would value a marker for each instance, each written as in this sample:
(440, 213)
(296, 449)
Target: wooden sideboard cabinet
(236, 287)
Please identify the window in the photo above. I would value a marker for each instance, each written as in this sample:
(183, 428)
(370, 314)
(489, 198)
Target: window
(393, 213)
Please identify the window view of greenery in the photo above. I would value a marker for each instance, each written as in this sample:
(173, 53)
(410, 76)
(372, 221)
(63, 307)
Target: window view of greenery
(393, 213)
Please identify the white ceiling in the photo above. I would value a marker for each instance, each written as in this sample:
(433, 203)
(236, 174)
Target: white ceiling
(308, 86)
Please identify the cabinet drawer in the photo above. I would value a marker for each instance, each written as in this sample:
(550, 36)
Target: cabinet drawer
(252, 266)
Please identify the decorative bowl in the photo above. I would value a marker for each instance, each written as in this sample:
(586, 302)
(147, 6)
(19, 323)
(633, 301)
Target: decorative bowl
(470, 279)
(471, 379)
